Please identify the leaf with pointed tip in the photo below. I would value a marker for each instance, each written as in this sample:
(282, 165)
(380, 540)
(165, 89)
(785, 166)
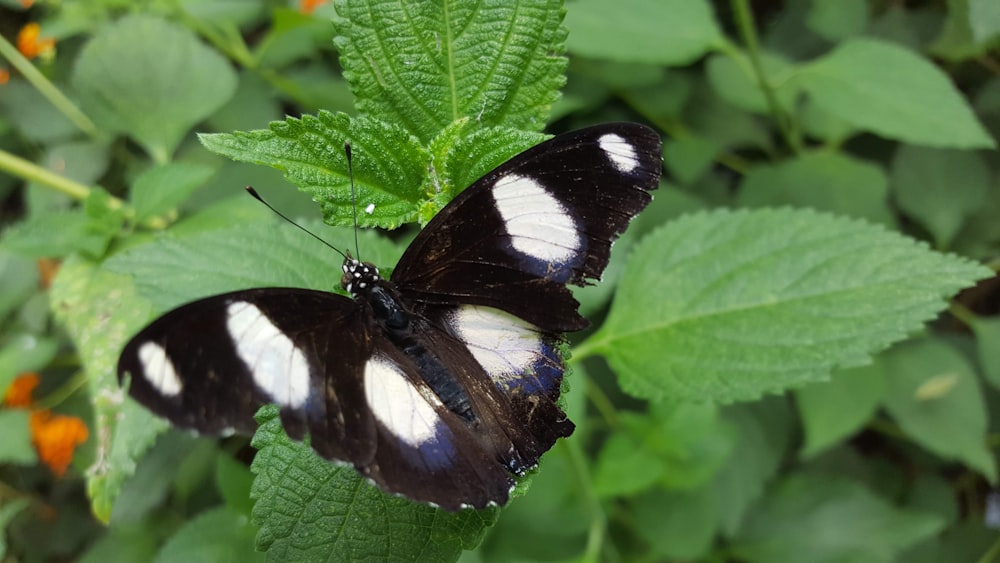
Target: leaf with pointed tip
(727, 306)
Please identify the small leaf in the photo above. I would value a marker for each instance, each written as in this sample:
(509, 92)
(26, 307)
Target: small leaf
(823, 519)
(8, 511)
(823, 181)
(984, 16)
(838, 19)
(21, 352)
(16, 444)
(893, 92)
(162, 188)
(153, 478)
(309, 509)
(957, 41)
(751, 302)
(428, 64)
(219, 535)
(679, 525)
(234, 480)
(668, 32)
(988, 345)
(733, 82)
(951, 423)
(122, 545)
(18, 278)
(129, 82)
(47, 235)
(689, 158)
(764, 431)
(389, 164)
(939, 188)
(833, 410)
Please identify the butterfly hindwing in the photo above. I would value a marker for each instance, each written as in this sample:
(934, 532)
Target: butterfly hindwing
(543, 219)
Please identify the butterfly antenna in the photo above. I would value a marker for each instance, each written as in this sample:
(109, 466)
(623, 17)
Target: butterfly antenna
(354, 198)
(256, 196)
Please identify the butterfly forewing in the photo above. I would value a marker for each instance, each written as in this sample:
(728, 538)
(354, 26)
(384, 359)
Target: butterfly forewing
(441, 385)
(545, 218)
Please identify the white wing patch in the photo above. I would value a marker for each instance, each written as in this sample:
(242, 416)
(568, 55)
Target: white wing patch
(278, 367)
(398, 405)
(508, 348)
(620, 152)
(537, 223)
(159, 370)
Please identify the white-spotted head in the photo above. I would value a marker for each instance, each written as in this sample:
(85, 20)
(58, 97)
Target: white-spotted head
(359, 277)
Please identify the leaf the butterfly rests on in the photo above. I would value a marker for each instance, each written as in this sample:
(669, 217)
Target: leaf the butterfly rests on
(441, 383)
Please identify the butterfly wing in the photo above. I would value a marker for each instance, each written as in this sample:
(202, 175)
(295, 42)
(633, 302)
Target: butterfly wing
(210, 364)
(545, 218)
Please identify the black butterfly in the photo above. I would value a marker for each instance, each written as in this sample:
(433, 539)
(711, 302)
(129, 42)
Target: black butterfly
(441, 383)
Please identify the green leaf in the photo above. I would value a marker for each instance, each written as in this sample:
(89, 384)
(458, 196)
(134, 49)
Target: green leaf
(689, 158)
(234, 480)
(309, 509)
(153, 478)
(825, 181)
(984, 17)
(122, 545)
(100, 310)
(678, 446)
(18, 278)
(48, 235)
(939, 188)
(988, 346)
(751, 302)
(934, 396)
(764, 430)
(389, 164)
(678, 525)
(171, 271)
(129, 82)
(218, 535)
(893, 92)
(833, 410)
(735, 82)
(162, 188)
(36, 121)
(16, 445)
(8, 511)
(838, 19)
(957, 40)
(423, 65)
(21, 352)
(668, 32)
(824, 519)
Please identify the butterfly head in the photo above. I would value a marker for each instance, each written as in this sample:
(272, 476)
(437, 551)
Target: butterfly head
(359, 277)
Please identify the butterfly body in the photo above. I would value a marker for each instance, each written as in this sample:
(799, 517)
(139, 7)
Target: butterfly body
(440, 384)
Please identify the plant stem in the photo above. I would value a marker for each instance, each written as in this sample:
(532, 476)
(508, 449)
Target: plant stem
(598, 519)
(48, 90)
(748, 32)
(32, 172)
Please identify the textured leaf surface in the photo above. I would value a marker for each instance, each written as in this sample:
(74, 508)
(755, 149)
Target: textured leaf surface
(728, 305)
(671, 32)
(100, 310)
(935, 397)
(894, 93)
(389, 164)
(131, 83)
(423, 65)
(309, 509)
(822, 519)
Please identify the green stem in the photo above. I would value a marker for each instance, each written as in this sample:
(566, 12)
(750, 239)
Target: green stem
(598, 519)
(48, 90)
(991, 553)
(72, 385)
(17, 166)
(748, 32)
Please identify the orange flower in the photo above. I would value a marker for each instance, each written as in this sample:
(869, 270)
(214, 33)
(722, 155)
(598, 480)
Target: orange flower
(56, 437)
(31, 44)
(4, 76)
(308, 6)
(26, 3)
(19, 393)
(47, 269)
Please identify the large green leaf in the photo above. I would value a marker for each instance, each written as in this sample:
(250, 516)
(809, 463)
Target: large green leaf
(895, 93)
(423, 65)
(730, 305)
(152, 80)
(833, 410)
